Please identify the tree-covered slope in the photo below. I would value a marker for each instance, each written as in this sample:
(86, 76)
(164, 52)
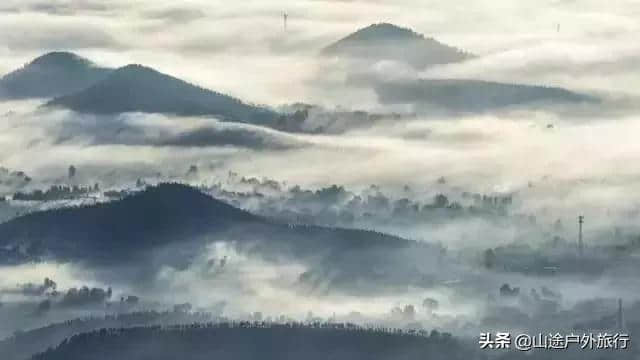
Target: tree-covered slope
(390, 42)
(136, 88)
(258, 341)
(51, 75)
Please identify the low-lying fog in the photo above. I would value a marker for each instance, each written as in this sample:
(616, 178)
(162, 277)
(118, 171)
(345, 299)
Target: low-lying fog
(558, 165)
(552, 168)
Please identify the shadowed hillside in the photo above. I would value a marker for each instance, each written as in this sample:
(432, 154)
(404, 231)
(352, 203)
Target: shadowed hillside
(390, 42)
(258, 341)
(473, 95)
(172, 214)
(51, 75)
(26, 343)
(171, 224)
(136, 88)
(117, 230)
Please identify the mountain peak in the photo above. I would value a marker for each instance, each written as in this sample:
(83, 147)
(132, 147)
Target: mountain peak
(182, 200)
(53, 74)
(60, 58)
(134, 73)
(136, 68)
(386, 41)
(385, 31)
(137, 88)
(179, 194)
(157, 216)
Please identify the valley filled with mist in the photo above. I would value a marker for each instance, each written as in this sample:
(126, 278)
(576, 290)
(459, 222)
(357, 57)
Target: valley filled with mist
(319, 179)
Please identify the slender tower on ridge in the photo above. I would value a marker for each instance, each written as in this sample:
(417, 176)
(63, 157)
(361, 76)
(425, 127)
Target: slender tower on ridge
(580, 243)
(620, 316)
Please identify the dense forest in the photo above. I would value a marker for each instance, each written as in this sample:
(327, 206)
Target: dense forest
(160, 215)
(23, 344)
(171, 223)
(154, 217)
(245, 341)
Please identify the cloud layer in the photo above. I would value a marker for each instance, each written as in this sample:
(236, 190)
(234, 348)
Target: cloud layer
(244, 50)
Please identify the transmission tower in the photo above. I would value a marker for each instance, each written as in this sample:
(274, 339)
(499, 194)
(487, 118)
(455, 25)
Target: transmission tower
(580, 242)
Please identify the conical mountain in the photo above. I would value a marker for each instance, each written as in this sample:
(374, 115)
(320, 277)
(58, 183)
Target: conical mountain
(137, 88)
(386, 41)
(51, 75)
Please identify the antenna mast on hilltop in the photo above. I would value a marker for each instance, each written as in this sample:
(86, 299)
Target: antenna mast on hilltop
(285, 17)
(580, 243)
(620, 317)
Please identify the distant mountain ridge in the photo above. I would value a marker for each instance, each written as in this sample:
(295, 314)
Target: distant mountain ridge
(50, 75)
(386, 41)
(474, 95)
(76, 83)
(137, 88)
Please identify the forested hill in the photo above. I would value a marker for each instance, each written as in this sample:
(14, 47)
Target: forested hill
(120, 229)
(169, 215)
(23, 344)
(50, 75)
(386, 41)
(264, 342)
(137, 88)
